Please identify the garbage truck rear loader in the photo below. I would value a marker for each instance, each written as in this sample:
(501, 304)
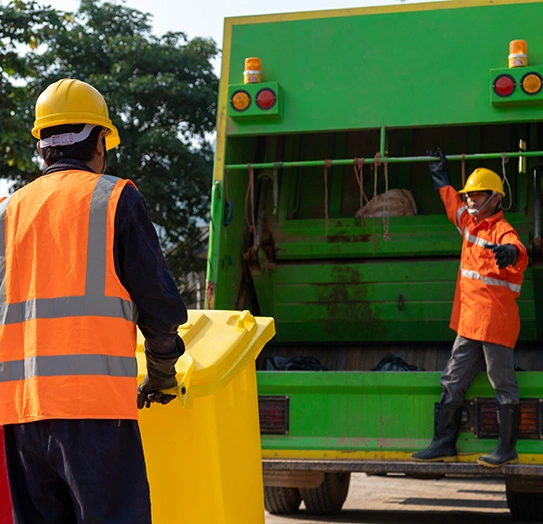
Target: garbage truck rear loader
(324, 217)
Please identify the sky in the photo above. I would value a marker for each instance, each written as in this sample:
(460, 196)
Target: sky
(206, 17)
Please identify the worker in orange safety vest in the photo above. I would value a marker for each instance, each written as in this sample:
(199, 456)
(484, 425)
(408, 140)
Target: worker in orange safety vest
(485, 313)
(80, 267)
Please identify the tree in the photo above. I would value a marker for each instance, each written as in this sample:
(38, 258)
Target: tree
(22, 25)
(161, 93)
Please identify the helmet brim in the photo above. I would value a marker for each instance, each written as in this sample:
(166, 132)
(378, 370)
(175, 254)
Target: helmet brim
(474, 189)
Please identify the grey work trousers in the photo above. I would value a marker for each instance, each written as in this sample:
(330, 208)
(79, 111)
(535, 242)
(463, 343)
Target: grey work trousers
(468, 358)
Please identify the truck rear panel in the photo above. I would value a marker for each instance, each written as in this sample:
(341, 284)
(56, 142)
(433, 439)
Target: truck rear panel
(360, 96)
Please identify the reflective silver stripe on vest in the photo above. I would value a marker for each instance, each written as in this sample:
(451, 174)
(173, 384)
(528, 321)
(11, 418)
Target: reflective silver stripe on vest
(96, 269)
(67, 307)
(458, 215)
(94, 302)
(3, 207)
(475, 240)
(57, 366)
(470, 273)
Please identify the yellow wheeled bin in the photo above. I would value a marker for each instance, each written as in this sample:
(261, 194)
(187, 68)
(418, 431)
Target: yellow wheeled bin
(203, 452)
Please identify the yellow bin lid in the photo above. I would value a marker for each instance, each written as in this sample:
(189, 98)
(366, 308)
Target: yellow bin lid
(219, 345)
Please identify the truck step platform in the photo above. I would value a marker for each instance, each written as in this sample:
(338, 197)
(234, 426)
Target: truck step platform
(376, 467)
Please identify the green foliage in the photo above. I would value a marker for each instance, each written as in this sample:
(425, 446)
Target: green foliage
(22, 26)
(161, 94)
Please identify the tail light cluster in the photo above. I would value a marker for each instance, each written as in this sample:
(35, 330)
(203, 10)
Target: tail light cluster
(265, 99)
(482, 420)
(530, 84)
(274, 415)
(254, 102)
(516, 86)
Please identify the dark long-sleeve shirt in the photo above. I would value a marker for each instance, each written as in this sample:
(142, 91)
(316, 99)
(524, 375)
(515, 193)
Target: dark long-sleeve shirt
(142, 270)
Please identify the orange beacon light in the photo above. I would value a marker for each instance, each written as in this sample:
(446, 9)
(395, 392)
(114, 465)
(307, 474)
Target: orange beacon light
(253, 71)
(518, 55)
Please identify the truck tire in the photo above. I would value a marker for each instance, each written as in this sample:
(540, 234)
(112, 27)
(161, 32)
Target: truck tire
(328, 498)
(281, 501)
(525, 506)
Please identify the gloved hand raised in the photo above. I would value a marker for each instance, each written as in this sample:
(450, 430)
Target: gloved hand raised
(440, 177)
(505, 254)
(160, 376)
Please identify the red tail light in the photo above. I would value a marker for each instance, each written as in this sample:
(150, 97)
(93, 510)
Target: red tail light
(504, 85)
(482, 419)
(266, 98)
(274, 415)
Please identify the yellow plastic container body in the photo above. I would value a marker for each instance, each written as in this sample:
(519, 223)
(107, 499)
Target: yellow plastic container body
(203, 453)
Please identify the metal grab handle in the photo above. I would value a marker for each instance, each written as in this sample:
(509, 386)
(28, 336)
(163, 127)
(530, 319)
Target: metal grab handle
(537, 201)
(389, 160)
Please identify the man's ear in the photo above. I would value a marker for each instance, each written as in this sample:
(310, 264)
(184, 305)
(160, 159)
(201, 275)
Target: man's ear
(40, 152)
(101, 143)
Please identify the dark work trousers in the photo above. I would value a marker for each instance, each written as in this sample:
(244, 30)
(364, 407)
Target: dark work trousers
(77, 471)
(468, 358)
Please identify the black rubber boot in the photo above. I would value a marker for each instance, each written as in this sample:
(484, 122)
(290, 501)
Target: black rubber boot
(447, 418)
(508, 423)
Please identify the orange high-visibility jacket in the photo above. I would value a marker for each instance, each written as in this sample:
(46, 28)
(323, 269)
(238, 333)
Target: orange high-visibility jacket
(67, 324)
(485, 305)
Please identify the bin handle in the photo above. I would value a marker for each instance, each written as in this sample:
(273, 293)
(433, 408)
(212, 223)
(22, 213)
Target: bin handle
(181, 391)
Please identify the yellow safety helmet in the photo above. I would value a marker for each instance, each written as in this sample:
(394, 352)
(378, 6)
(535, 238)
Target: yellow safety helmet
(71, 101)
(483, 179)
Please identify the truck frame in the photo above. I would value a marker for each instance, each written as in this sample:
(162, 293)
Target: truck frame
(324, 217)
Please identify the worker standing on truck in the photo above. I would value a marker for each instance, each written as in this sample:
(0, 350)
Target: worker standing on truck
(485, 313)
(80, 266)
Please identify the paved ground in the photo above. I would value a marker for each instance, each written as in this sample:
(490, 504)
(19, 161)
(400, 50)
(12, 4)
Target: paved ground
(398, 499)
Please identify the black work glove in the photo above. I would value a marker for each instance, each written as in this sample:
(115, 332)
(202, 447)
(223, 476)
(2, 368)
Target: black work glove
(160, 375)
(440, 177)
(505, 254)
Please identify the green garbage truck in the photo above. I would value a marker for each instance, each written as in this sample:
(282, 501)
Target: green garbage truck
(324, 217)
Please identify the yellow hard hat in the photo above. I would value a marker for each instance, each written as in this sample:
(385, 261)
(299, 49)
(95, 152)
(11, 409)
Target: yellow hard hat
(71, 101)
(483, 179)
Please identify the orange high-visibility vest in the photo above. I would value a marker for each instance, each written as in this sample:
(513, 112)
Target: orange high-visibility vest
(67, 324)
(485, 306)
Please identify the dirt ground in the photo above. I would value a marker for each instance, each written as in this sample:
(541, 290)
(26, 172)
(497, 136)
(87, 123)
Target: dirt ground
(399, 499)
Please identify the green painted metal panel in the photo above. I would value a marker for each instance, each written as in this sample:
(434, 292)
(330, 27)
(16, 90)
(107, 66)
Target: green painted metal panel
(407, 300)
(369, 411)
(421, 235)
(397, 69)
(339, 289)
